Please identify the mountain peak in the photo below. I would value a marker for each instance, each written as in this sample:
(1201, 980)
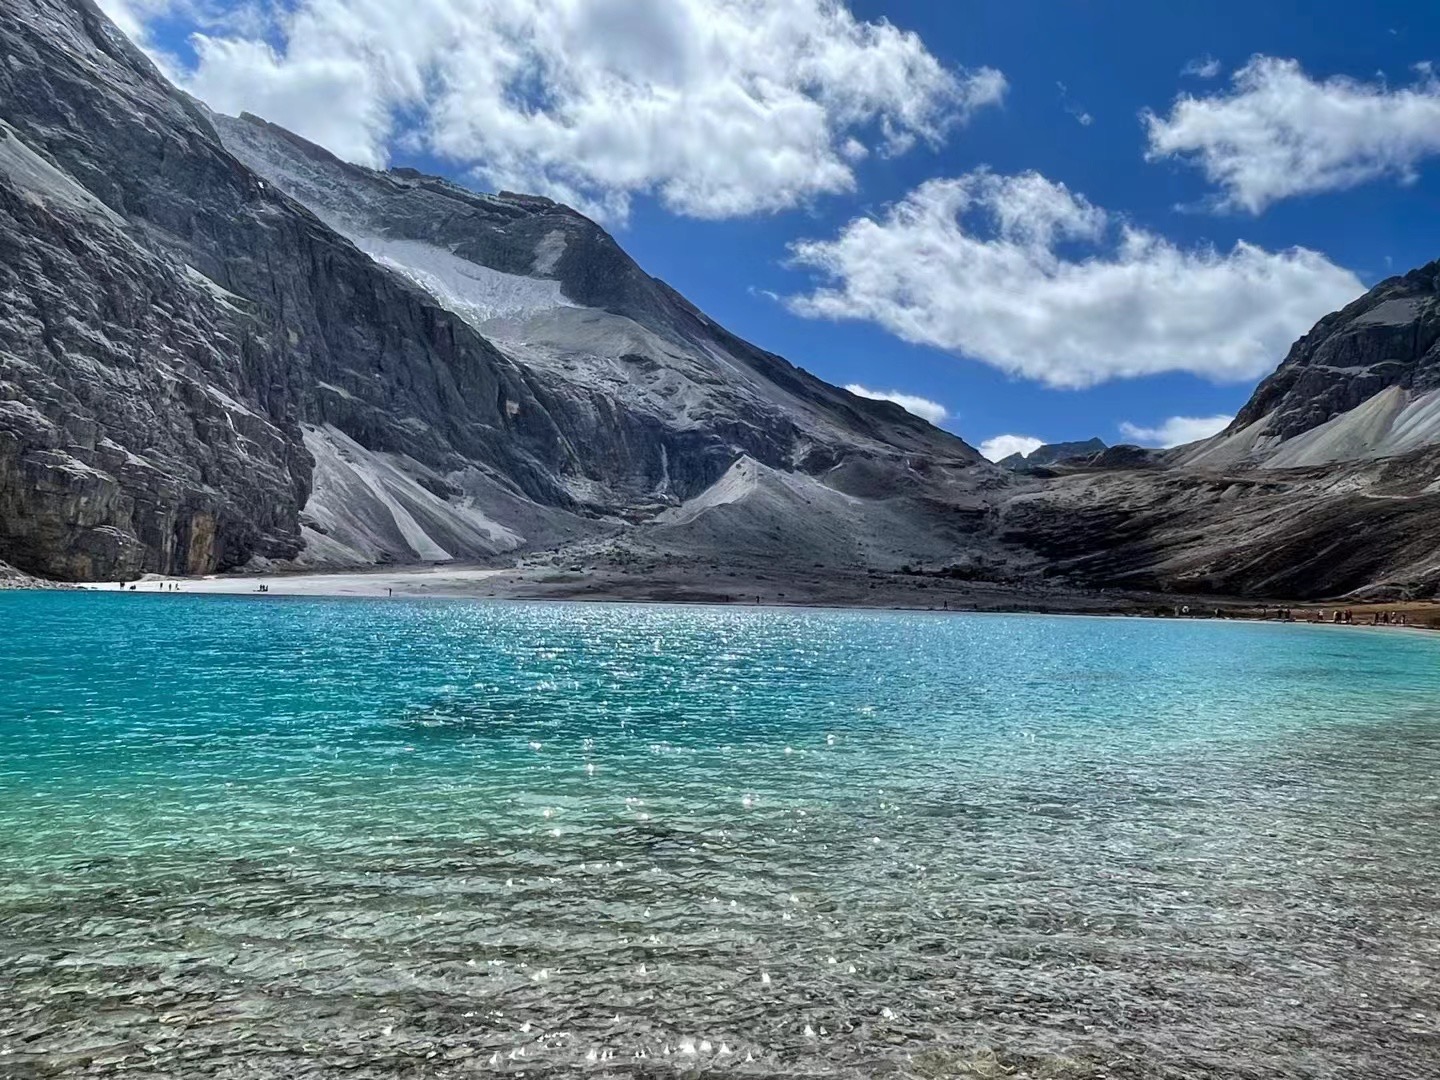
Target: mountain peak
(1052, 453)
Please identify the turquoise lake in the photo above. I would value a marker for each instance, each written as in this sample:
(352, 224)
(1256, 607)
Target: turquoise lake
(264, 838)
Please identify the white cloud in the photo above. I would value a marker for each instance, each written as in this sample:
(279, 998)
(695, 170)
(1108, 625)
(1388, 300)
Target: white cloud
(1083, 118)
(1002, 446)
(1175, 431)
(1202, 67)
(1278, 133)
(133, 18)
(976, 265)
(717, 107)
(250, 76)
(123, 14)
(921, 407)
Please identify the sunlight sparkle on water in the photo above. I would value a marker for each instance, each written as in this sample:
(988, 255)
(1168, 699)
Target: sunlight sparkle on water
(390, 835)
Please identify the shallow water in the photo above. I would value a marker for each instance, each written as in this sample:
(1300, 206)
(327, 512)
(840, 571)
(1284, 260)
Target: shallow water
(292, 838)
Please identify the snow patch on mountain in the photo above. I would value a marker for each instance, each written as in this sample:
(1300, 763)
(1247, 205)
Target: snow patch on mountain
(476, 293)
(548, 252)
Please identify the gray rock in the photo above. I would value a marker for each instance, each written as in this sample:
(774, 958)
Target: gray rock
(1388, 337)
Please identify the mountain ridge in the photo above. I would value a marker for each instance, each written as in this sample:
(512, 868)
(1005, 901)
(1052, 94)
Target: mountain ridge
(233, 382)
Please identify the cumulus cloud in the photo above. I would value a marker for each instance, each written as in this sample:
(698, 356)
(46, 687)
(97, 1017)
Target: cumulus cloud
(1175, 431)
(1030, 277)
(1277, 133)
(718, 108)
(251, 76)
(912, 403)
(1002, 446)
(1202, 67)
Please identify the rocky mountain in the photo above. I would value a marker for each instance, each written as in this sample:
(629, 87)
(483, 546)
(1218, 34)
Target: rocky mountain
(1326, 484)
(1051, 453)
(1363, 384)
(220, 346)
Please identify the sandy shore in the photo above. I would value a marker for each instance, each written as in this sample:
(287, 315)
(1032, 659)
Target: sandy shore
(675, 584)
(411, 581)
(749, 587)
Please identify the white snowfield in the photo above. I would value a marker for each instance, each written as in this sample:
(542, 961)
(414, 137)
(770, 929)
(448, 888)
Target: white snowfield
(474, 292)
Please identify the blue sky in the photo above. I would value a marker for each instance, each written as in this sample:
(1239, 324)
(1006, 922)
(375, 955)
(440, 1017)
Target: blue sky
(968, 113)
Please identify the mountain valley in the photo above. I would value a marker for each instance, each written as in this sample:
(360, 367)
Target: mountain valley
(223, 349)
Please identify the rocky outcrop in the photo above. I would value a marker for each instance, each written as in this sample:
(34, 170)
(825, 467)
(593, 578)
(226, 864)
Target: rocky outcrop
(1364, 383)
(170, 324)
(1388, 337)
(1369, 528)
(10, 578)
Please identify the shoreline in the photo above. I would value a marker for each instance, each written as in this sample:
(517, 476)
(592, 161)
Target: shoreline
(861, 592)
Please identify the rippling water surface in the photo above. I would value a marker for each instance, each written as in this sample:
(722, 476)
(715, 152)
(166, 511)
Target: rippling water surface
(285, 838)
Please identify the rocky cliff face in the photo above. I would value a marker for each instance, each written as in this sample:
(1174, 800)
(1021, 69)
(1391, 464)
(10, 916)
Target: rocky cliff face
(1390, 337)
(171, 324)
(1363, 528)
(215, 352)
(1364, 383)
